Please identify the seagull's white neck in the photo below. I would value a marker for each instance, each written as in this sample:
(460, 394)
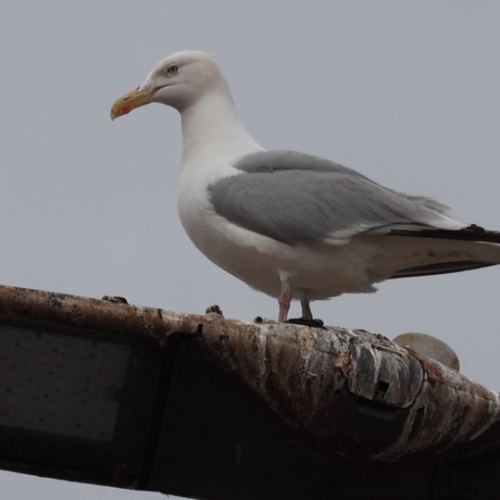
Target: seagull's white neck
(212, 129)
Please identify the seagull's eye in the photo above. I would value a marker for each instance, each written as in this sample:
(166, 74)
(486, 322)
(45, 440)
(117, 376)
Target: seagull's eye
(173, 69)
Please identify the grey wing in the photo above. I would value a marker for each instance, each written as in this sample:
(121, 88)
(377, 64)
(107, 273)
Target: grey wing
(293, 197)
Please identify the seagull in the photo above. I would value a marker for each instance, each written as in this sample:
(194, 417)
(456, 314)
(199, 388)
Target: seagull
(289, 224)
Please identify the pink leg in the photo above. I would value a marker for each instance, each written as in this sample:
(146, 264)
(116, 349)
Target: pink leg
(306, 310)
(285, 298)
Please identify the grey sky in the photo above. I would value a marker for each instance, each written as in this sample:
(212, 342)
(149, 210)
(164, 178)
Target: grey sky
(405, 92)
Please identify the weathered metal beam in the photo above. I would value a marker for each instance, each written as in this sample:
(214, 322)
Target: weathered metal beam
(346, 395)
(420, 410)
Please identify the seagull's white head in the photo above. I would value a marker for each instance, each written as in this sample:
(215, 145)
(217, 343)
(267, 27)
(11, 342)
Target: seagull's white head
(178, 81)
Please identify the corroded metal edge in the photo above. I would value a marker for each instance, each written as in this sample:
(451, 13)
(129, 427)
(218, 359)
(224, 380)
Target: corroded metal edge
(100, 315)
(344, 394)
(306, 376)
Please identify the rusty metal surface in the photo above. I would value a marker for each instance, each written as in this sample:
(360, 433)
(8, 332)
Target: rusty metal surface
(308, 376)
(343, 394)
(100, 315)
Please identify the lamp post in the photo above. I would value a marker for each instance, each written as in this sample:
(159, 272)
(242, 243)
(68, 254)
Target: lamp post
(112, 394)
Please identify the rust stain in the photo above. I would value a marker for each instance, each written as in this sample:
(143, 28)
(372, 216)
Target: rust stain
(343, 363)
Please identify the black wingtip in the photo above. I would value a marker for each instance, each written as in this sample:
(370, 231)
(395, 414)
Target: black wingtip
(469, 233)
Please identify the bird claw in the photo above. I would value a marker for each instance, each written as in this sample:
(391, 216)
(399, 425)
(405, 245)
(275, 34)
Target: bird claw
(313, 323)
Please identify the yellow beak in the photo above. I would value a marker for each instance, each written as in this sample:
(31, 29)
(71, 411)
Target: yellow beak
(125, 104)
